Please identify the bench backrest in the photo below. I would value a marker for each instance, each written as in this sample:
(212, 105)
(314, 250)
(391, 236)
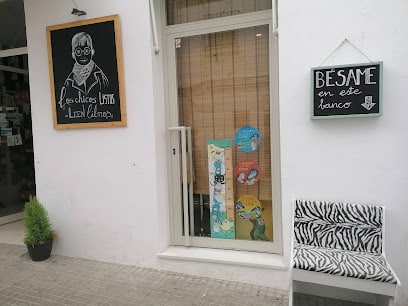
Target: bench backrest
(344, 226)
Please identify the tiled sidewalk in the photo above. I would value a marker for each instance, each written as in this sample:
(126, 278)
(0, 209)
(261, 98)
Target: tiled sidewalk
(71, 281)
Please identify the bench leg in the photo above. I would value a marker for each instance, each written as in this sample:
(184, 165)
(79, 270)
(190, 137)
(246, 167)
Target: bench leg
(382, 300)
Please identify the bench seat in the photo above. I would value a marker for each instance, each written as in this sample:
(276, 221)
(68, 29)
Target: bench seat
(344, 263)
(340, 245)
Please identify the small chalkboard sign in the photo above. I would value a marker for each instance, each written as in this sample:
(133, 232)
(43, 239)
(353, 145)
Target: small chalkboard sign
(347, 91)
(86, 73)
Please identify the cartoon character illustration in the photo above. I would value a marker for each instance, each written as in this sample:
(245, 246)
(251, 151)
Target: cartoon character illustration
(219, 177)
(247, 172)
(248, 138)
(241, 178)
(216, 211)
(254, 141)
(222, 225)
(227, 225)
(250, 209)
(258, 224)
(86, 79)
(253, 173)
(250, 179)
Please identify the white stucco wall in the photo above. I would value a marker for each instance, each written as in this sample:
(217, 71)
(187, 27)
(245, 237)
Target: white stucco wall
(105, 188)
(98, 184)
(360, 160)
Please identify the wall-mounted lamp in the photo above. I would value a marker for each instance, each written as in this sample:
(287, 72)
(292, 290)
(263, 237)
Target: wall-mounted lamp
(77, 12)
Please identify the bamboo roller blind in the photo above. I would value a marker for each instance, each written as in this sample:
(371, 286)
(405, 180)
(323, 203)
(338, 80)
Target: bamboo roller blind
(223, 85)
(183, 11)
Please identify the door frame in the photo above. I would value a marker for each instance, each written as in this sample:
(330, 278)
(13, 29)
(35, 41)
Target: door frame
(174, 160)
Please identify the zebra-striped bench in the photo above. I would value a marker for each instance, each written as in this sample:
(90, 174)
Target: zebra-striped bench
(340, 245)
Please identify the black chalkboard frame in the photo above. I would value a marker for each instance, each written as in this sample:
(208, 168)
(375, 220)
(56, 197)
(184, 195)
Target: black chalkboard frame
(378, 111)
(112, 37)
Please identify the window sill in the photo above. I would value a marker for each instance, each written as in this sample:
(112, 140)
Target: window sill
(232, 257)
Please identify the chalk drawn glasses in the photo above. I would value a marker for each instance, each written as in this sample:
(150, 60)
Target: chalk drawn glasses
(79, 51)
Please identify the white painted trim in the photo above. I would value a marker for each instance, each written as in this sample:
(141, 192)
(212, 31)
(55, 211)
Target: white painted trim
(241, 258)
(344, 282)
(182, 132)
(156, 46)
(13, 52)
(334, 292)
(275, 139)
(275, 16)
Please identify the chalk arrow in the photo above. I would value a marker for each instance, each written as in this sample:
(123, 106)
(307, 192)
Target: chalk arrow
(368, 103)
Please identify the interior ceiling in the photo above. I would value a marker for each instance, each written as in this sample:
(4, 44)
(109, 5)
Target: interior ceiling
(12, 24)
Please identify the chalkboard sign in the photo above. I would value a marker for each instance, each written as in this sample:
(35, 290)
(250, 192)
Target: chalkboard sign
(86, 73)
(347, 91)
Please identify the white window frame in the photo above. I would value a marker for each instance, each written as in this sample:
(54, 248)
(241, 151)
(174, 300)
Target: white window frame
(204, 27)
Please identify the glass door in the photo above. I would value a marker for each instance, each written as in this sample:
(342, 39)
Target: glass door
(17, 181)
(221, 139)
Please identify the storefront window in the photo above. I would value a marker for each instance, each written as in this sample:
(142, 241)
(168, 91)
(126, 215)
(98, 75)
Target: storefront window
(223, 94)
(225, 180)
(17, 182)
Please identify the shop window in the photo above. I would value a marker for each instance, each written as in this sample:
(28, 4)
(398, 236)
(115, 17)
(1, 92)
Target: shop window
(17, 181)
(221, 119)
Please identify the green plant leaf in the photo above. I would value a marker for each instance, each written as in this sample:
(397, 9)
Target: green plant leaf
(36, 223)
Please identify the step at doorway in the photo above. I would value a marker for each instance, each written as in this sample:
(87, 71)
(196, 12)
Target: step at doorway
(12, 233)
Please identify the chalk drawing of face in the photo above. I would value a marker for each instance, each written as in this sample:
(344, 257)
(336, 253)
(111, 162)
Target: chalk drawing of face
(82, 48)
(83, 55)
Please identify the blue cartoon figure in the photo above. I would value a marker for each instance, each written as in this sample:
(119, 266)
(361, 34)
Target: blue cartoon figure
(254, 141)
(248, 139)
(222, 225)
(219, 177)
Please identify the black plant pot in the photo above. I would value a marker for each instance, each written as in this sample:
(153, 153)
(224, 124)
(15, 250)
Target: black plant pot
(39, 252)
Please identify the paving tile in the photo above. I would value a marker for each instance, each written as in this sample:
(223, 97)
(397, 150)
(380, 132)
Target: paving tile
(62, 280)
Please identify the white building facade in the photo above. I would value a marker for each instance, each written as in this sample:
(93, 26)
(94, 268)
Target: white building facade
(113, 192)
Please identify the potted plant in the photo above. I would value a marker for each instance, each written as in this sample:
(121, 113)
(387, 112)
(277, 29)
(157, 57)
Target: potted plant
(39, 235)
